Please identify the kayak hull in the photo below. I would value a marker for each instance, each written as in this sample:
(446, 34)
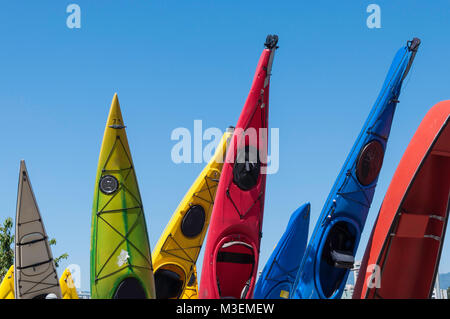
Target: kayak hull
(333, 244)
(121, 265)
(403, 253)
(278, 275)
(176, 253)
(232, 247)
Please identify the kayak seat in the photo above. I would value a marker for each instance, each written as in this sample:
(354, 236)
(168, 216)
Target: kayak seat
(168, 284)
(342, 259)
(338, 250)
(130, 288)
(234, 269)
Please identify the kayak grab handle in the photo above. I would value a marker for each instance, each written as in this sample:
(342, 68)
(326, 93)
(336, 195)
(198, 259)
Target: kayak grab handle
(413, 46)
(271, 41)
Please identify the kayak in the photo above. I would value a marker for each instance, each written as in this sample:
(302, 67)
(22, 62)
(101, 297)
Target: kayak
(35, 271)
(121, 264)
(68, 289)
(402, 257)
(231, 255)
(191, 291)
(333, 244)
(278, 275)
(7, 285)
(177, 250)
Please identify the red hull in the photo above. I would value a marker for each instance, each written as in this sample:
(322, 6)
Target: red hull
(232, 247)
(403, 253)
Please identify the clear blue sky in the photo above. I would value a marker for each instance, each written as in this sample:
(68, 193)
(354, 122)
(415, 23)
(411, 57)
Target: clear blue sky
(173, 62)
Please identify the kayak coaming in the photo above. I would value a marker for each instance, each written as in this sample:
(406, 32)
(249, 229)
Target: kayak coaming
(118, 221)
(238, 210)
(175, 251)
(68, 289)
(35, 274)
(279, 273)
(7, 285)
(346, 208)
(396, 252)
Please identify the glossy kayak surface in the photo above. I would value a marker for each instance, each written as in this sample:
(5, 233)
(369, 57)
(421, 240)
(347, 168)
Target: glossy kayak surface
(191, 290)
(68, 289)
(121, 265)
(177, 250)
(332, 247)
(278, 275)
(232, 247)
(7, 285)
(34, 271)
(402, 257)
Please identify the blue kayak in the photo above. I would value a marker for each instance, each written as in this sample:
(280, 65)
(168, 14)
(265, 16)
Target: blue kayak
(279, 273)
(330, 253)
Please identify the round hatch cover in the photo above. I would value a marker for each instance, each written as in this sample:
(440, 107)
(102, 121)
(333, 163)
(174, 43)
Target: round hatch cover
(193, 221)
(108, 184)
(369, 162)
(246, 168)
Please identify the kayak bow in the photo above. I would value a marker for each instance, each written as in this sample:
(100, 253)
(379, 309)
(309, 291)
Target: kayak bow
(332, 247)
(232, 248)
(34, 272)
(279, 274)
(121, 264)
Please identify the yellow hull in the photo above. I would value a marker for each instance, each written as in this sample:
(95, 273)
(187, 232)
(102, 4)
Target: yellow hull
(67, 285)
(177, 250)
(7, 285)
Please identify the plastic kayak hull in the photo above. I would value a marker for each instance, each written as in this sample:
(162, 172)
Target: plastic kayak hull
(68, 289)
(402, 257)
(232, 247)
(333, 244)
(278, 275)
(177, 250)
(34, 268)
(191, 290)
(121, 265)
(7, 285)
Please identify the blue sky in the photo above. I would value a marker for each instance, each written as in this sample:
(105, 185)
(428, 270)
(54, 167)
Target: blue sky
(172, 62)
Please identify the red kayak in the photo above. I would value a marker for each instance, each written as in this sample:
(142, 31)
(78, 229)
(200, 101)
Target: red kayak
(230, 262)
(402, 257)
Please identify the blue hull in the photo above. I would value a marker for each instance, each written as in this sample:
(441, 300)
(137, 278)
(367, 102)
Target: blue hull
(330, 253)
(279, 273)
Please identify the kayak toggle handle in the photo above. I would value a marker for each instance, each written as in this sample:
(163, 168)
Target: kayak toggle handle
(271, 41)
(413, 44)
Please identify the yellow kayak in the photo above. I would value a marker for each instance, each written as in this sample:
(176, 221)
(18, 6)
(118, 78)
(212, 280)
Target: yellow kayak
(191, 291)
(121, 262)
(177, 250)
(7, 285)
(67, 285)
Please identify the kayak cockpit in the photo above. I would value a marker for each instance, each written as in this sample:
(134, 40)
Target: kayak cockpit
(234, 269)
(169, 282)
(130, 288)
(337, 256)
